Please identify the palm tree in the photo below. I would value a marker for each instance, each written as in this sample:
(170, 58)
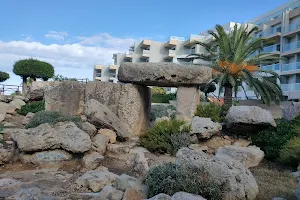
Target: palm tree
(231, 55)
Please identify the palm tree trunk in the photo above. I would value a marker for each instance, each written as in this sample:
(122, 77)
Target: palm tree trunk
(24, 86)
(228, 95)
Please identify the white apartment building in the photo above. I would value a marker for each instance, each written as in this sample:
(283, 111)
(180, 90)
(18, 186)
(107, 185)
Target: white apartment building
(281, 26)
(105, 74)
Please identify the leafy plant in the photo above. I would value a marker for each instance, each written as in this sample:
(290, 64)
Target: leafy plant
(170, 178)
(158, 90)
(166, 137)
(158, 111)
(3, 76)
(163, 98)
(290, 152)
(51, 117)
(210, 110)
(229, 54)
(59, 77)
(272, 140)
(33, 107)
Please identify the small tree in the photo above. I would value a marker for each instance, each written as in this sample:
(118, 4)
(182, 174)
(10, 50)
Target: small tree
(32, 68)
(3, 76)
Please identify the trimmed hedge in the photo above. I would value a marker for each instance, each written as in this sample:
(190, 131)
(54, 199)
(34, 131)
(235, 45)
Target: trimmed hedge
(163, 98)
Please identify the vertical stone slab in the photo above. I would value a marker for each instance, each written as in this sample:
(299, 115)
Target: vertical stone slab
(66, 97)
(187, 100)
(130, 102)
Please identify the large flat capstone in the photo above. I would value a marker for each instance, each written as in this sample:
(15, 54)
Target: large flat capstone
(163, 74)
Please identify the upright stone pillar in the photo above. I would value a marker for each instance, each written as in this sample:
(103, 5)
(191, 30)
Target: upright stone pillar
(188, 98)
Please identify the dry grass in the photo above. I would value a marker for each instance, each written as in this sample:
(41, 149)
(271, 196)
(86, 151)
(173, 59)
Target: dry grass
(274, 182)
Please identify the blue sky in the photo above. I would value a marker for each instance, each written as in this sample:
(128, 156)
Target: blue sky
(75, 35)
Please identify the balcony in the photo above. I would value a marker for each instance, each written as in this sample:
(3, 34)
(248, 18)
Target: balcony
(112, 67)
(275, 49)
(146, 43)
(129, 54)
(173, 41)
(291, 48)
(272, 34)
(193, 39)
(273, 67)
(290, 87)
(99, 67)
(146, 53)
(292, 29)
(171, 54)
(290, 67)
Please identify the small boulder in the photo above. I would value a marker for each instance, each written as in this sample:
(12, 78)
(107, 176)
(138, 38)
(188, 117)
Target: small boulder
(161, 197)
(186, 196)
(2, 117)
(117, 195)
(96, 180)
(88, 128)
(92, 160)
(132, 194)
(8, 186)
(18, 103)
(290, 110)
(204, 128)
(6, 108)
(100, 143)
(250, 156)
(28, 194)
(233, 175)
(124, 182)
(140, 163)
(6, 155)
(102, 117)
(27, 118)
(248, 118)
(6, 98)
(118, 148)
(63, 135)
(45, 157)
(105, 192)
(111, 135)
(215, 142)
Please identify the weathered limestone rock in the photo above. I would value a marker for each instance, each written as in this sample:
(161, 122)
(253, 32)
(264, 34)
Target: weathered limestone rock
(188, 98)
(66, 97)
(215, 142)
(6, 155)
(131, 103)
(163, 74)
(88, 128)
(17, 103)
(7, 108)
(2, 117)
(118, 148)
(290, 110)
(140, 163)
(249, 156)
(65, 135)
(33, 193)
(125, 182)
(248, 117)
(27, 118)
(96, 180)
(204, 128)
(238, 180)
(44, 157)
(186, 196)
(100, 143)
(36, 89)
(8, 187)
(111, 135)
(6, 98)
(161, 197)
(20, 97)
(106, 193)
(132, 194)
(100, 116)
(92, 160)
(117, 195)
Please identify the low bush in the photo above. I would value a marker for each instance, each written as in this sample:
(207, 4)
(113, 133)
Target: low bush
(51, 117)
(170, 178)
(290, 152)
(158, 90)
(271, 140)
(33, 107)
(210, 110)
(158, 111)
(163, 98)
(166, 137)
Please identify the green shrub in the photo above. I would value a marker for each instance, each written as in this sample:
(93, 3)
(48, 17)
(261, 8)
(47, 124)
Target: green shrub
(163, 98)
(158, 111)
(210, 110)
(33, 107)
(3, 76)
(170, 178)
(158, 90)
(272, 140)
(290, 152)
(166, 137)
(51, 117)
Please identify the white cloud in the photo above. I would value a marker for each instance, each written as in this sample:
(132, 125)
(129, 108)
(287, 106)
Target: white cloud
(71, 60)
(56, 35)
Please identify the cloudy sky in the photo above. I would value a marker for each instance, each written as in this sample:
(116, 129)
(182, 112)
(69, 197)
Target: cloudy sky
(75, 35)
